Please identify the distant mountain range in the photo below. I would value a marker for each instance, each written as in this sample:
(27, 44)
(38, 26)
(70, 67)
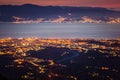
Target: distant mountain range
(26, 12)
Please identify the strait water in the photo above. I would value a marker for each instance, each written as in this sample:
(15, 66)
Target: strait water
(60, 30)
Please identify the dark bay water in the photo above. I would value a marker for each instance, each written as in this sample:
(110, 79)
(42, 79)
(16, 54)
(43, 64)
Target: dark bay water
(60, 30)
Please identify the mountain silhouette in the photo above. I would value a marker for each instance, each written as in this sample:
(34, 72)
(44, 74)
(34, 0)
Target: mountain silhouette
(29, 11)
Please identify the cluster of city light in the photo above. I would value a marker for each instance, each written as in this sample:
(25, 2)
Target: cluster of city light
(113, 20)
(19, 20)
(22, 45)
(60, 19)
(86, 19)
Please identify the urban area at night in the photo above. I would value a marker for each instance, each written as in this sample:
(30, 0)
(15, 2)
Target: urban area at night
(60, 59)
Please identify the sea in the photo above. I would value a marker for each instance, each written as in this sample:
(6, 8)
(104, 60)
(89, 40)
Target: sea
(60, 30)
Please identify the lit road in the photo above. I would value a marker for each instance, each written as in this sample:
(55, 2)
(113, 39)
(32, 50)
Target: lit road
(75, 54)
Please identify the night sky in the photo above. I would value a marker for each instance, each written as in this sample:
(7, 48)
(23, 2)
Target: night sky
(91, 3)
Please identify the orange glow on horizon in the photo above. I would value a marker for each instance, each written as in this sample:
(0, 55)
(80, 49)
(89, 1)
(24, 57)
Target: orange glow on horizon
(93, 3)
